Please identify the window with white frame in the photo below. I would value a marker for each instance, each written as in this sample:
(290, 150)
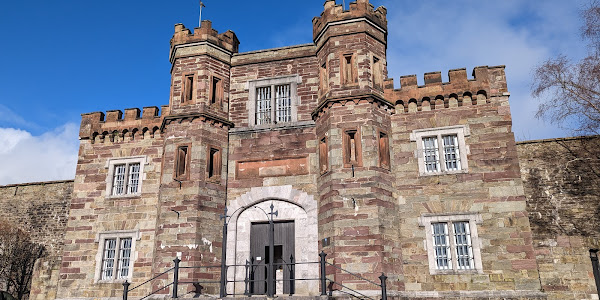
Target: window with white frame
(114, 261)
(452, 243)
(125, 176)
(441, 150)
(273, 100)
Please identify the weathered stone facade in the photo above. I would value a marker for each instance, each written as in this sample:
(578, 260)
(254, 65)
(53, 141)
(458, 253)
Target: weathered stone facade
(42, 209)
(561, 179)
(365, 172)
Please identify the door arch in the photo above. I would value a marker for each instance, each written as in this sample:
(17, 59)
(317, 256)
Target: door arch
(292, 205)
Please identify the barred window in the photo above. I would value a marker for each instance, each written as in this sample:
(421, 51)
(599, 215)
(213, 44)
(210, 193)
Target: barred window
(460, 252)
(283, 101)
(273, 100)
(125, 176)
(263, 105)
(431, 154)
(126, 179)
(441, 150)
(452, 243)
(115, 255)
(451, 152)
(464, 248)
(441, 246)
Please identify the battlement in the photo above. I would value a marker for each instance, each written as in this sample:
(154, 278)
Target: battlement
(115, 123)
(358, 9)
(205, 33)
(487, 82)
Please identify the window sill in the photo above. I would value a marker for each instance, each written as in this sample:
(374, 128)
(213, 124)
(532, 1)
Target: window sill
(465, 171)
(121, 197)
(115, 281)
(273, 127)
(455, 272)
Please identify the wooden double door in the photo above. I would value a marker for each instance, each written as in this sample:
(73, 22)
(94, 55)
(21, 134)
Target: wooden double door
(283, 252)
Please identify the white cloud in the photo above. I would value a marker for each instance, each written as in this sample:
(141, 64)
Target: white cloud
(28, 158)
(10, 118)
(426, 36)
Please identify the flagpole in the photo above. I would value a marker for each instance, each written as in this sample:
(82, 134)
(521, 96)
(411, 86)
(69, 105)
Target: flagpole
(200, 18)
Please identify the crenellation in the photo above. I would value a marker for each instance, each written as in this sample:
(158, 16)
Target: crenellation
(150, 112)
(132, 114)
(433, 78)
(487, 82)
(205, 33)
(360, 8)
(113, 123)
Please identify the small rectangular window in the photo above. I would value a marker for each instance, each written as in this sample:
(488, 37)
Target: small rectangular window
(188, 88)
(214, 163)
(125, 176)
(348, 69)
(323, 155)
(445, 252)
(442, 150)
(181, 162)
(116, 258)
(324, 78)
(377, 73)
(352, 148)
(453, 246)
(126, 179)
(216, 90)
(384, 151)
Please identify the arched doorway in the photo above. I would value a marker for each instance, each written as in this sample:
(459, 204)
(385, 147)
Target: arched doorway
(297, 216)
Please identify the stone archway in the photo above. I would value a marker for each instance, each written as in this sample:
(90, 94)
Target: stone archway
(293, 205)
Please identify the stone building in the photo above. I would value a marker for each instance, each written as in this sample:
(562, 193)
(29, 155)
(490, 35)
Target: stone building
(423, 183)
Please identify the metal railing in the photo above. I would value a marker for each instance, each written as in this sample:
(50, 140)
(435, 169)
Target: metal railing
(250, 280)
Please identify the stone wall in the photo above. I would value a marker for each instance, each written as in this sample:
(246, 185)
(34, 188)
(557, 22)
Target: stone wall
(93, 211)
(491, 189)
(562, 186)
(42, 209)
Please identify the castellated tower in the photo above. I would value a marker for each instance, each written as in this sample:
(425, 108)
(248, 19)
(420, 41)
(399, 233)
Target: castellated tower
(195, 151)
(353, 125)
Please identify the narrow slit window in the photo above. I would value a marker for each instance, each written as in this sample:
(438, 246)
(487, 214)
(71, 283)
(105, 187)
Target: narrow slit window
(352, 148)
(214, 163)
(216, 91)
(377, 73)
(263, 105)
(384, 151)
(323, 155)
(188, 88)
(348, 69)
(324, 78)
(181, 165)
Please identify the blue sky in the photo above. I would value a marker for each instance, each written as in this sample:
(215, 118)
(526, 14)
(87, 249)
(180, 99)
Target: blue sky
(62, 58)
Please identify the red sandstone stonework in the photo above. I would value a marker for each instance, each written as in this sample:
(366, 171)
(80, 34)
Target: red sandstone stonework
(369, 212)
